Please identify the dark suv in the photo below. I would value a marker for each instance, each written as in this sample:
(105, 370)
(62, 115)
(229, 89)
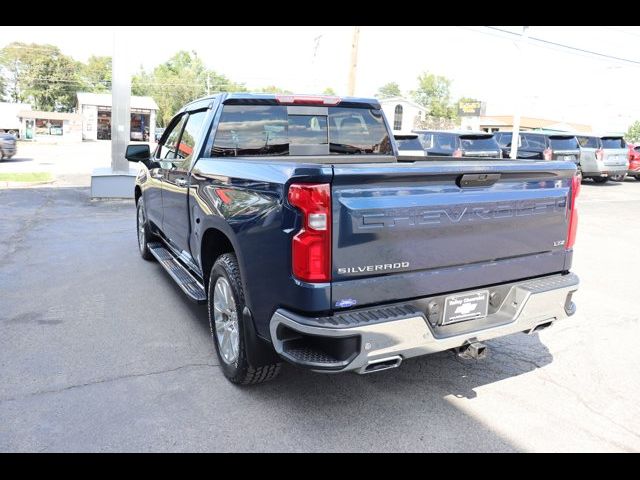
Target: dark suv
(541, 145)
(459, 143)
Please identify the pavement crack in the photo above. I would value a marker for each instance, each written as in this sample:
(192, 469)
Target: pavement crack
(106, 380)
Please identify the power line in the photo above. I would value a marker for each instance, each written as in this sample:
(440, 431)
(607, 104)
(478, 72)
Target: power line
(621, 30)
(569, 47)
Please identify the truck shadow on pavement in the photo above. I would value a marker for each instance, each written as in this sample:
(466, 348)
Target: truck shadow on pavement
(419, 406)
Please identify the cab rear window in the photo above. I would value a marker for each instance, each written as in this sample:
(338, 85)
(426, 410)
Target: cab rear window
(245, 130)
(589, 142)
(563, 142)
(478, 142)
(613, 142)
(408, 143)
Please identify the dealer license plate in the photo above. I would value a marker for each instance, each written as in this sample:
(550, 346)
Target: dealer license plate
(468, 306)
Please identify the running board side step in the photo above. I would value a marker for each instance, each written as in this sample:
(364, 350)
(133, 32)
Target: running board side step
(189, 285)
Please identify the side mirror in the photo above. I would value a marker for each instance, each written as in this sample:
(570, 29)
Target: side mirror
(138, 153)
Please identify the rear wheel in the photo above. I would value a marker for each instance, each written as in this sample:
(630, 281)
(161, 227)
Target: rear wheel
(619, 178)
(600, 179)
(638, 177)
(226, 303)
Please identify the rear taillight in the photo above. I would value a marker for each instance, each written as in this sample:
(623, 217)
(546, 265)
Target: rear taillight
(311, 247)
(573, 212)
(547, 154)
(600, 154)
(457, 153)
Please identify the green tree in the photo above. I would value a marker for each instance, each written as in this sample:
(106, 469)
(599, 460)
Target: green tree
(15, 59)
(52, 83)
(272, 89)
(391, 89)
(434, 94)
(96, 74)
(329, 91)
(179, 80)
(41, 75)
(3, 88)
(633, 134)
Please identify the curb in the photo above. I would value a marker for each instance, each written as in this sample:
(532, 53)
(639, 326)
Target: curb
(24, 184)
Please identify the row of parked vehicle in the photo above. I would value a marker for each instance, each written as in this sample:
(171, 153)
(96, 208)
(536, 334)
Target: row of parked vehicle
(598, 157)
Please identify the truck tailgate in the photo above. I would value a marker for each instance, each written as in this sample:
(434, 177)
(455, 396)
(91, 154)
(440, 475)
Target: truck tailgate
(416, 229)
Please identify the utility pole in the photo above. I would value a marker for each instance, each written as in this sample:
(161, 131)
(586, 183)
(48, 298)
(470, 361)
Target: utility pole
(519, 79)
(354, 61)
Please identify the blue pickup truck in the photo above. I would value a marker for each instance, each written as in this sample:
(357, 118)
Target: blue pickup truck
(293, 218)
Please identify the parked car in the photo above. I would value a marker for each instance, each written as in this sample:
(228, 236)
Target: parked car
(634, 161)
(540, 145)
(615, 156)
(291, 217)
(459, 143)
(8, 147)
(409, 145)
(600, 163)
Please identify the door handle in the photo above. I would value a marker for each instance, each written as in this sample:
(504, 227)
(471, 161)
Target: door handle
(181, 182)
(478, 180)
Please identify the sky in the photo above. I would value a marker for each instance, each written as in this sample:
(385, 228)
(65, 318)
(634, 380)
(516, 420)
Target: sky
(482, 62)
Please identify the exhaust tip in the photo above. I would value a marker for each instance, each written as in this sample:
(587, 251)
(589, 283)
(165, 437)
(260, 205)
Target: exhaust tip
(540, 326)
(383, 364)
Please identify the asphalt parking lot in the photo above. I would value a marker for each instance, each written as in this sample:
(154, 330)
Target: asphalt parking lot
(100, 351)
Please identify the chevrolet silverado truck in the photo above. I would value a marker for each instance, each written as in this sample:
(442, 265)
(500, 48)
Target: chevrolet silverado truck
(293, 219)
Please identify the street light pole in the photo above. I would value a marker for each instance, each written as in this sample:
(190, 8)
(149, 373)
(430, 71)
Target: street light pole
(519, 77)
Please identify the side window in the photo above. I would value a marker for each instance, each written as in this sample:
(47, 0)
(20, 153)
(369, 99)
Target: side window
(167, 151)
(189, 136)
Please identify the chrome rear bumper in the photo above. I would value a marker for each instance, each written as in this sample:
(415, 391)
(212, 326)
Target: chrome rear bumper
(307, 341)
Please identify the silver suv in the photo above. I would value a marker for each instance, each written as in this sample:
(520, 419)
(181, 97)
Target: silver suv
(7, 146)
(603, 157)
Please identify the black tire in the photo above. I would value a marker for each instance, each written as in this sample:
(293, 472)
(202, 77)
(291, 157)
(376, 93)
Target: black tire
(143, 246)
(619, 178)
(601, 179)
(638, 177)
(239, 371)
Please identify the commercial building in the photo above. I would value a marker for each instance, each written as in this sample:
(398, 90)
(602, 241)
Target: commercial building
(95, 109)
(494, 123)
(50, 126)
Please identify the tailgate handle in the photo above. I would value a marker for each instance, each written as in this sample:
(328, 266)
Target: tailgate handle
(477, 179)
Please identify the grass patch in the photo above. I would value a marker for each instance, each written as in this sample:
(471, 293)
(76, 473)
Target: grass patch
(25, 177)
